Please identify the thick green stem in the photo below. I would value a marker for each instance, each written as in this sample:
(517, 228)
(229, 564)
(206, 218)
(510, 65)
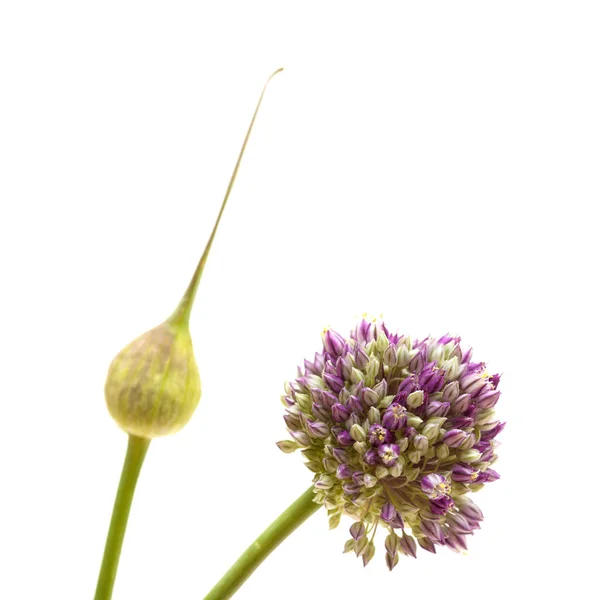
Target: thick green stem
(134, 458)
(181, 316)
(287, 522)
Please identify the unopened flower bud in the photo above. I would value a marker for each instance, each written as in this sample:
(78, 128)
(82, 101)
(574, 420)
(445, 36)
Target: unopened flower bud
(396, 470)
(317, 429)
(470, 456)
(334, 343)
(420, 442)
(414, 456)
(454, 438)
(431, 431)
(360, 447)
(403, 356)
(442, 452)
(451, 392)
(381, 389)
(415, 399)
(374, 415)
(370, 397)
(339, 412)
(324, 482)
(461, 404)
(390, 357)
(408, 545)
(358, 433)
(153, 385)
(381, 472)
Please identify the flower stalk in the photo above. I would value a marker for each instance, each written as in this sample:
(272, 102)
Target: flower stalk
(287, 522)
(134, 459)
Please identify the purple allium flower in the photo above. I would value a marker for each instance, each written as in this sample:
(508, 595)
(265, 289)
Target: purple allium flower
(394, 417)
(384, 423)
(379, 435)
(388, 454)
(441, 505)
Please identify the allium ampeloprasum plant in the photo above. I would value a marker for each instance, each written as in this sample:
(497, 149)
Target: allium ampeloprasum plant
(152, 389)
(398, 433)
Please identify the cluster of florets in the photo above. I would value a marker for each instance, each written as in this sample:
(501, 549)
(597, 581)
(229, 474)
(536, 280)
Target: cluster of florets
(397, 433)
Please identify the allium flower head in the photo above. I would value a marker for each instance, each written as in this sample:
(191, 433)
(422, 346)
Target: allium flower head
(397, 433)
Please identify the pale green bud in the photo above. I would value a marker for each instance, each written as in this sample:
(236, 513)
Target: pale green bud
(372, 368)
(415, 399)
(153, 384)
(485, 416)
(396, 470)
(369, 480)
(334, 520)
(330, 465)
(324, 482)
(403, 356)
(436, 353)
(356, 375)
(357, 433)
(443, 452)
(304, 401)
(381, 472)
(360, 447)
(382, 342)
(314, 381)
(390, 357)
(451, 367)
(411, 474)
(381, 389)
(385, 402)
(414, 456)
(470, 456)
(402, 444)
(368, 554)
(361, 545)
(468, 443)
(431, 431)
(413, 420)
(314, 465)
(420, 442)
(287, 446)
(374, 415)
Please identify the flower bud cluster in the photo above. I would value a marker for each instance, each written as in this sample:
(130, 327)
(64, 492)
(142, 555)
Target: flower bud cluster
(397, 434)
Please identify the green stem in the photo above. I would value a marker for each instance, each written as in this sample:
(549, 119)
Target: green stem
(134, 458)
(265, 543)
(181, 316)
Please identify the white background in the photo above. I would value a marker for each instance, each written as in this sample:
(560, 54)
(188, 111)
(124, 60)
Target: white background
(436, 162)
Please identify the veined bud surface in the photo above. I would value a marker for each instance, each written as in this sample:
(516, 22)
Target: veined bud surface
(153, 385)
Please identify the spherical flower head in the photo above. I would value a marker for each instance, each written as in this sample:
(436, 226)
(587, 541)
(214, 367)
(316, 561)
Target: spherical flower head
(153, 385)
(398, 434)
